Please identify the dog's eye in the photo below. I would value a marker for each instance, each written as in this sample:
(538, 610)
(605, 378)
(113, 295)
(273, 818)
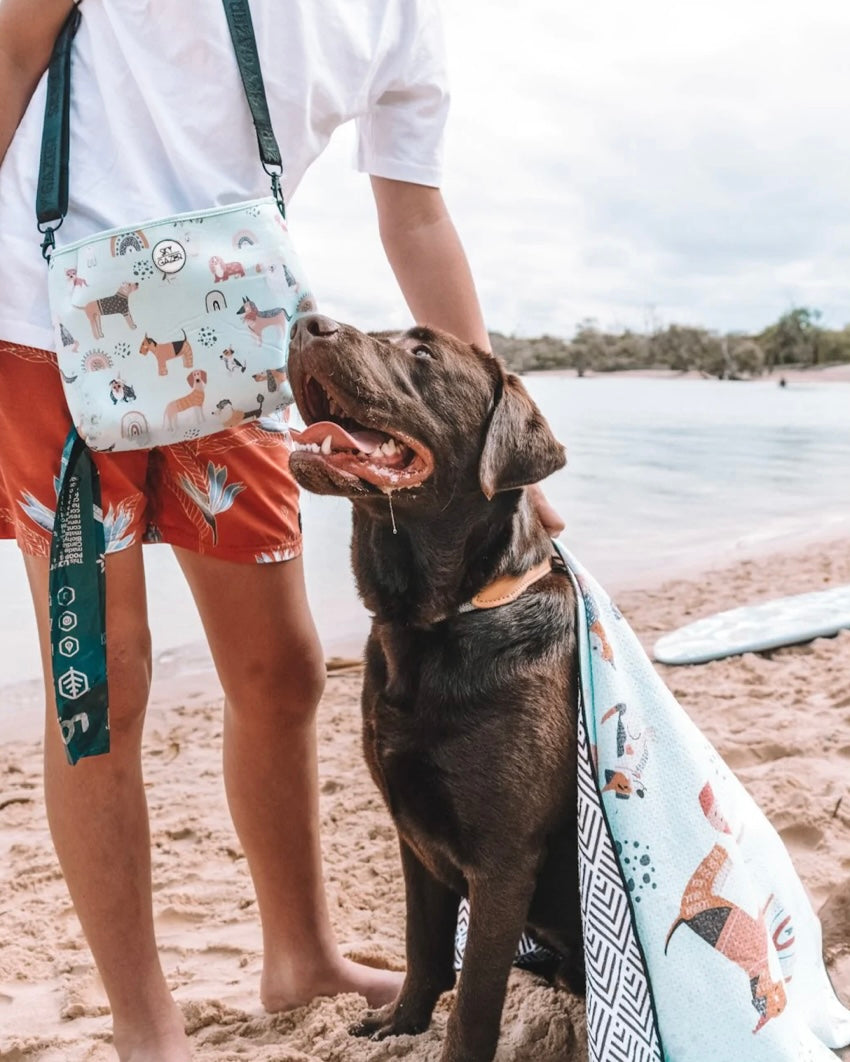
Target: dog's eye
(422, 352)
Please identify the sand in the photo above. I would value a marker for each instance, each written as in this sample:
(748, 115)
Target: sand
(781, 720)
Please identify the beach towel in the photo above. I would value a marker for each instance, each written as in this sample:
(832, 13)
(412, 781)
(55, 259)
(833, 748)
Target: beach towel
(700, 942)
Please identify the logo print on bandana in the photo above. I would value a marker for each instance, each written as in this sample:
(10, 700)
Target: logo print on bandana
(73, 684)
(69, 646)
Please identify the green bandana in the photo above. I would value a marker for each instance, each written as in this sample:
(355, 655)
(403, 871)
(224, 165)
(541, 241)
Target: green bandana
(78, 606)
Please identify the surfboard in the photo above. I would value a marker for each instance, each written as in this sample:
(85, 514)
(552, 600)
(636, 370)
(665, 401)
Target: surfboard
(754, 628)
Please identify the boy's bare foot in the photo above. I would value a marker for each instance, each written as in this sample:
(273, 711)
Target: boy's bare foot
(164, 1041)
(285, 992)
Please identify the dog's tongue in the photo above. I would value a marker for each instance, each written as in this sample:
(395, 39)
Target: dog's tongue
(365, 441)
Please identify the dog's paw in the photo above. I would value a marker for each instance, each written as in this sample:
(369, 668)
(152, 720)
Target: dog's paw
(392, 1020)
(571, 973)
(373, 1021)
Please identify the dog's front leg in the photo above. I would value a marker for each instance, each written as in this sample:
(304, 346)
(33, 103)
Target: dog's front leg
(431, 923)
(497, 914)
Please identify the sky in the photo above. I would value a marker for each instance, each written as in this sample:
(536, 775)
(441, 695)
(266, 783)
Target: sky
(640, 164)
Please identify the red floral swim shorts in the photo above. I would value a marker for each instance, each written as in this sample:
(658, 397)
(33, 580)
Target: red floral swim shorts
(229, 495)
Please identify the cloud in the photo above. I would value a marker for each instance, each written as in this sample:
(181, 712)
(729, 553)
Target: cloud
(624, 161)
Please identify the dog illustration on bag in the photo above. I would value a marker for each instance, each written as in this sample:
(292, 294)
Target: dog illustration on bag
(76, 281)
(164, 352)
(194, 400)
(119, 391)
(232, 418)
(259, 320)
(231, 362)
(68, 341)
(272, 378)
(119, 303)
(222, 270)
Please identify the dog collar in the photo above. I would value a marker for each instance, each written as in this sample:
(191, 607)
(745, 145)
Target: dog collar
(507, 588)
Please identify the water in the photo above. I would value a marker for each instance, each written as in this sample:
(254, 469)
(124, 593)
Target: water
(662, 475)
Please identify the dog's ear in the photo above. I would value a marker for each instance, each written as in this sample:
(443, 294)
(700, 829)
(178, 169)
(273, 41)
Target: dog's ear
(519, 448)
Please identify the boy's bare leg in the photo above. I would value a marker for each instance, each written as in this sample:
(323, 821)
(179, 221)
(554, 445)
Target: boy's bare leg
(99, 823)
(271, 667)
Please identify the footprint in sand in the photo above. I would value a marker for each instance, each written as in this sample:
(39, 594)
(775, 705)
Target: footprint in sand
(800, 836)
(834, 915)
(83, 995)
(750, 755)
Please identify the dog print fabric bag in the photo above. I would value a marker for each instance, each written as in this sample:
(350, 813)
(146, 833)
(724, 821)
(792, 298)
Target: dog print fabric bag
(177, 328)
(165, 331)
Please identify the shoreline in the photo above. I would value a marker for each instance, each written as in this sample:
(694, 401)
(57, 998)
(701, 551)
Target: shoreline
(779, 719)
(834, 373)
(178, 669)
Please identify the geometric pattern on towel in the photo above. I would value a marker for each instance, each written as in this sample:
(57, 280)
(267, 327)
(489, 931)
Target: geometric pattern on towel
(621, 1024)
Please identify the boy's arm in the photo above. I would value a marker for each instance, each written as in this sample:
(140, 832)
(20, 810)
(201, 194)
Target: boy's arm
(431, 268)
(28, 29)
(428, 260)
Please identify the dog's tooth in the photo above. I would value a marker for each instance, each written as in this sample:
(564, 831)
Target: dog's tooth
(326, 444)
(315, 448)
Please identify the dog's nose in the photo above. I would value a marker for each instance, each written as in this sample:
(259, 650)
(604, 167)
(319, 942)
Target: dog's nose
(313, 326)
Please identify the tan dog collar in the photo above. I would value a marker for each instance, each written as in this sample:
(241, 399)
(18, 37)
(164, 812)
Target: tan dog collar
(508, 588)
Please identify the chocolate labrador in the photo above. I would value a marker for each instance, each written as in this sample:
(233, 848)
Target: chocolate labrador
(469, 710)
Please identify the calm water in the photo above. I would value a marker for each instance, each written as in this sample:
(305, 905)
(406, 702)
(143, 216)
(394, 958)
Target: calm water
(662, 475)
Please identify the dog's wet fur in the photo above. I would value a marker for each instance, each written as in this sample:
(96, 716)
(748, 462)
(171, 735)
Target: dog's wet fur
(469, 718)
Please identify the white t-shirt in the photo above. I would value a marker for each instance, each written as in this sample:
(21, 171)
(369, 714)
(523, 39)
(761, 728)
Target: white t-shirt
(160, 123)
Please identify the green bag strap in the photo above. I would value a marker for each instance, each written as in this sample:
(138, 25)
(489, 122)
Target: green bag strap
(77, 588)
(51, 203)
(51, 200)
(244, 40)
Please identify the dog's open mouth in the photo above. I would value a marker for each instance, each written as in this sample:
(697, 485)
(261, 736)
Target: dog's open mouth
(389, 460)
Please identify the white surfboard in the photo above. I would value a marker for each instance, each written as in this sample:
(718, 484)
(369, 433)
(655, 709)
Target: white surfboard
(753, 628)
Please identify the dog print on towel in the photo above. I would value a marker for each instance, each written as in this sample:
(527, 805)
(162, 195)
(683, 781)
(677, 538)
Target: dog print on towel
(599, 639)
(733, 932)
(625, 779)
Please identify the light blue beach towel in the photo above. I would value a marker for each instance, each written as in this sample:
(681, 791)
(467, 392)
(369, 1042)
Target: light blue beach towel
(700, 942)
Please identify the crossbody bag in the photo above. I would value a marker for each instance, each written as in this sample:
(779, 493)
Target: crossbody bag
(166, 331)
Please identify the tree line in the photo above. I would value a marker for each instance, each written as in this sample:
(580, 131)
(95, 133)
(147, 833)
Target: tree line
(796, 339)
